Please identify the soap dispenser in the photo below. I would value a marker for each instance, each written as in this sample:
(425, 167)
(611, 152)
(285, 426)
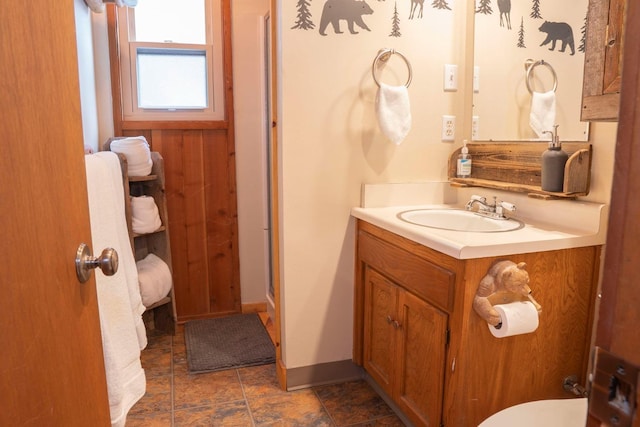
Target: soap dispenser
(553, 162)
(463, 165)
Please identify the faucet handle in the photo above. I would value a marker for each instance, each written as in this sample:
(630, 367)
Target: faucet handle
(478, 198)
(508, 206)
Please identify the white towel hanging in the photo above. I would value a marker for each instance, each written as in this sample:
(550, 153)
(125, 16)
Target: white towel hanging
(394, 112)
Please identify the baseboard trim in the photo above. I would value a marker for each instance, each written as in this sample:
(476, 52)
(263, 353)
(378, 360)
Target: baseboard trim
(322, 373)
(255, 307)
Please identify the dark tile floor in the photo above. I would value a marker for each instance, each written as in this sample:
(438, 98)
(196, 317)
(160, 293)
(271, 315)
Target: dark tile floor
(245, 397)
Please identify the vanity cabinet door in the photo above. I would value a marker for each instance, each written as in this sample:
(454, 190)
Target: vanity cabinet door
(380, 306)
(421, 348)
(603, 60)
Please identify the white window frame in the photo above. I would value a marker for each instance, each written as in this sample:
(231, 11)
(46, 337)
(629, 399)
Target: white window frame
(213, 49)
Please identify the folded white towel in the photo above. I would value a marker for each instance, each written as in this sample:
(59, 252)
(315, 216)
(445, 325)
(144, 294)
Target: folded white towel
(120, 306)
(394, 112)
(543, 112)
(136, 150)
(145, 217)
(96, 6)
(155, 279)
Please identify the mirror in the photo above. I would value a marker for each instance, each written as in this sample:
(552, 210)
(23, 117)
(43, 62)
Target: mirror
(508, 34)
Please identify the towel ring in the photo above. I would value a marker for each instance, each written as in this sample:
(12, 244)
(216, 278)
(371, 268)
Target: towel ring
(384, 55)
(530, 64)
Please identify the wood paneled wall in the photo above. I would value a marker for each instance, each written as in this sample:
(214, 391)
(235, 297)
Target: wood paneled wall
(200, 190)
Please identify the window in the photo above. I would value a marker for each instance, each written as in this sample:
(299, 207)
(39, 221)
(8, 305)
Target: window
(171, 60)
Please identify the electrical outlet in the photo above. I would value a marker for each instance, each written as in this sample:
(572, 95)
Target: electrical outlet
(475, 127)
(448, 128)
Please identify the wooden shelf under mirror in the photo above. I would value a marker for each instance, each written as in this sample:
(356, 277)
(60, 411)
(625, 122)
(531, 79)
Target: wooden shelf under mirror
(517, 167)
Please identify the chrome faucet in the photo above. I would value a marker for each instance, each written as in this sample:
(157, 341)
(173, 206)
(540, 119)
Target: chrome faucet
(494, 211)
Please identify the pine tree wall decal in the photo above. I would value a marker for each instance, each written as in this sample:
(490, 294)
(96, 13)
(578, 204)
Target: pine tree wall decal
(535, 10)
(521, 34)
(484, 7)
(440, 4)
(583, 39)
(395, 26)
(303, 20)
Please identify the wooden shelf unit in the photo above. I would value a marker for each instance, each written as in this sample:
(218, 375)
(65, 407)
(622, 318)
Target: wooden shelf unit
(161, 314)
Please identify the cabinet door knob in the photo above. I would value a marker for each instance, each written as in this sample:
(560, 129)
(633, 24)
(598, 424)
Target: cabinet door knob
(397, 324)
(389, 319)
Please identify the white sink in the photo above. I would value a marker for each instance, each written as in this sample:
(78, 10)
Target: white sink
(458, 220)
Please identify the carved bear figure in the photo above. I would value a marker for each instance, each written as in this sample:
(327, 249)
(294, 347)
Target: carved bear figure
(349, 10)
(503, 277)
(558, 31)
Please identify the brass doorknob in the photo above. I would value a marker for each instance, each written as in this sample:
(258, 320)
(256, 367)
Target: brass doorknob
(85, 262)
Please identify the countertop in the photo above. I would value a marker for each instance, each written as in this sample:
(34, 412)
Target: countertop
(571, 226)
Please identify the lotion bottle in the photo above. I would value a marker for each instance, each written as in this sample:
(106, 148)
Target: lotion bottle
(463, 165)
(553, 162)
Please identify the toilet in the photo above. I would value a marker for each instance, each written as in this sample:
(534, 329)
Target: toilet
(547, 413)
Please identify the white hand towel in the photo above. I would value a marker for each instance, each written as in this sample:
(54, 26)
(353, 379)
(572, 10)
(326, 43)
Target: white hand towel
(394, 112)
(121, 343)
(155, 279)
(543, 112)
(145, 217)
(96, 6)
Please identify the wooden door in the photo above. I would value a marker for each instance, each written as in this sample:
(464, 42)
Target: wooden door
(51, 362)
(380, 306)
(421, 355)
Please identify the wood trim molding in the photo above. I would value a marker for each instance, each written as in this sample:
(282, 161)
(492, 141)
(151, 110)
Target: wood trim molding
(175, 125)
(114, 61)
(274, 197)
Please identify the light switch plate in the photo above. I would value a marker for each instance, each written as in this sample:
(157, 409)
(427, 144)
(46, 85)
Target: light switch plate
(450, 77)
(475, 128)
(476, 79)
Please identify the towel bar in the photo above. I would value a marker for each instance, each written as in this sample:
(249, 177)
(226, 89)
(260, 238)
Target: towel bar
(530, 64)
(384, 55)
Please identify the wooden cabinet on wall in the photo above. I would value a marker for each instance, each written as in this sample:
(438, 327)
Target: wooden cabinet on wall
(603, 60)
(419, 339)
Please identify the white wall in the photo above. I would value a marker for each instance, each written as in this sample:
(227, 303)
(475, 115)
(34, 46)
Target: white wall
(330, 144)
(86, 72)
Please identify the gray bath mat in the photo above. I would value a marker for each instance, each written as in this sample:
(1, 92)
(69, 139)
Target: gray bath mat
(227, 343)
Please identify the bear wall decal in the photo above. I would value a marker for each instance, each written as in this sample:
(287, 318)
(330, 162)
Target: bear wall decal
(558, 31)
(349, 10)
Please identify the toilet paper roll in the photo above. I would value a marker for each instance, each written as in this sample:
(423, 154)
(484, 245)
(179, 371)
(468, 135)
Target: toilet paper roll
(517, 318)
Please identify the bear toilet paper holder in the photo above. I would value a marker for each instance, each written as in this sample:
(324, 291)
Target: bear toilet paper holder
(505, 282)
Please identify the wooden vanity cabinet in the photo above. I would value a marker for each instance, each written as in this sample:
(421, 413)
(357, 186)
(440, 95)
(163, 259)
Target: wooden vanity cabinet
(418, 338)
(404, 304)
(603, 60)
